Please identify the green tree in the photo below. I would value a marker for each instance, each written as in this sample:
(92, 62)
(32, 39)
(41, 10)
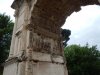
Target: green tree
(65, 36)
(6, 27)
(82, 60)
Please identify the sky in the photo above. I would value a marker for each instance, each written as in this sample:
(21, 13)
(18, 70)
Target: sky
(5, 8)
(84, 25)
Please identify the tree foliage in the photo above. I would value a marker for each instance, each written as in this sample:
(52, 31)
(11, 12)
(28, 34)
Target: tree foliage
(65, 35)
(82, 60)
(6, 27)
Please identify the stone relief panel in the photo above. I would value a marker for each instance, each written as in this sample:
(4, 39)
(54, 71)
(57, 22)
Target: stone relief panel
(57, 48)
(41, 43)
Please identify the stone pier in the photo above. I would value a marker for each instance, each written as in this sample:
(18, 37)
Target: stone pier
(36, 47)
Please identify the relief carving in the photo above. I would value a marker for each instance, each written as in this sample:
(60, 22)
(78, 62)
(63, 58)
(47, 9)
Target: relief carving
(57, 48)
(40, 44)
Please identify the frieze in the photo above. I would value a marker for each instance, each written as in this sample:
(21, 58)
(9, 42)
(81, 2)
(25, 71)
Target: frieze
(41, 43)
(57, 49)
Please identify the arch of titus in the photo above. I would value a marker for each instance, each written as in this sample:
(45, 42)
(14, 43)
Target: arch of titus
(36, 47)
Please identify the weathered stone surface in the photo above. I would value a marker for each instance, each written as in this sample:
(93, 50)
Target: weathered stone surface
(41, 56)
(44, 68)
(11, 69)
(44, 44)
(58, 59)
(56, 12)
(38, 56)
(21, 68)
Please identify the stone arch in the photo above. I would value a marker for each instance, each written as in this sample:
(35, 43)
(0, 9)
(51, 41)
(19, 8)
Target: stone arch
(58, 10)
(54, 12)
(38, 23)
(46, 17)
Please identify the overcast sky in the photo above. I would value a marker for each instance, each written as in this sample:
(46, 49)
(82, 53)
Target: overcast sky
(5, 7)
(84, 25)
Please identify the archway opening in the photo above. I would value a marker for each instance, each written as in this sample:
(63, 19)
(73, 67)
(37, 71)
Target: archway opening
(84, 26)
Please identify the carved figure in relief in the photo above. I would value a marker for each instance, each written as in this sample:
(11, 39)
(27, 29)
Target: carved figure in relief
(40, 44)
(44, 44)
(56, 48)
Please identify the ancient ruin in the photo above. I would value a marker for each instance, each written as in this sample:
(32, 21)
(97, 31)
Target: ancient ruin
(36, 47)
